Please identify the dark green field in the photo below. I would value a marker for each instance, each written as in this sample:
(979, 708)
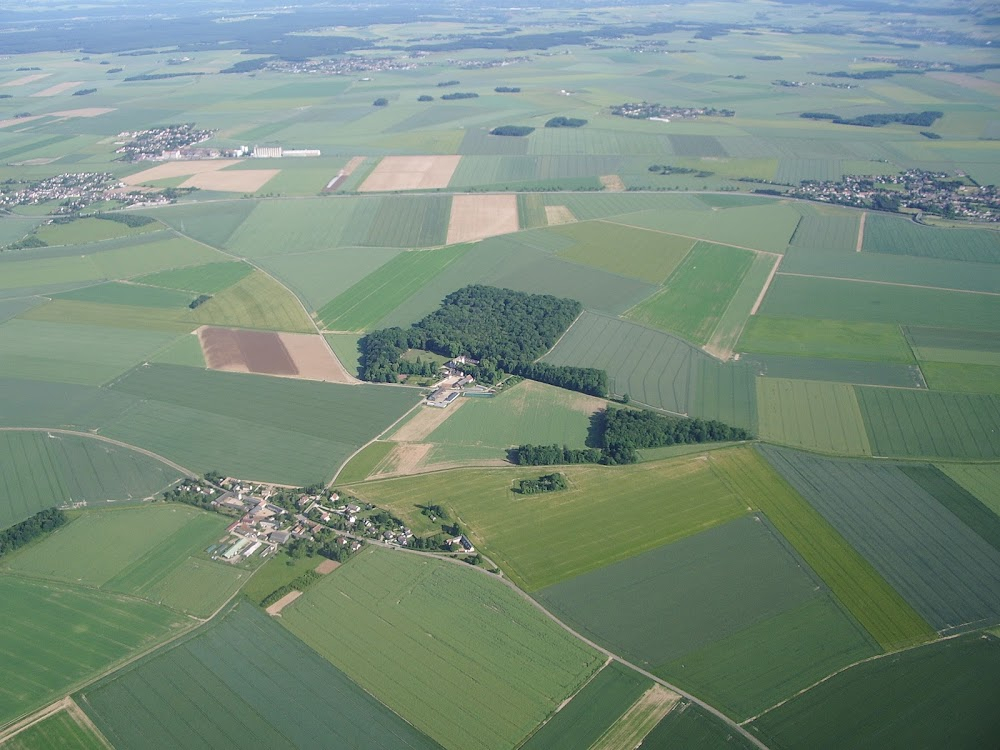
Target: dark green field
(691, 727)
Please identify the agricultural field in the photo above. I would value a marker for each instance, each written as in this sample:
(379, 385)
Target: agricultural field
(827, 229)
(650, 256)
(855, 371)
(366, 617)
(825, 339)
(83, 231)
(67, 729)
(211, 223)
(982, 480)
(890, 234)
(538, 541)
(937, 695)
(364, 463)
(57, 635)
(208, 279)
(690, 726)
(118, 293)
(42, 469)
(220, 687)
(962, 377)
(256, 301)
(811, 414)
(698, 293)
(958, 500)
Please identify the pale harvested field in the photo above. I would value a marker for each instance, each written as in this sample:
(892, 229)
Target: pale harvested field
(275, 609)
(428, 419)
(969, 81)
(476, 217)
(612, 183)
(410, 173)
(558, 215)
(16, 120)
(235, 181)
(84, 112)
(58, 88)
(313, 358)
(26, 79)
(633, 726)
(291, 355)
(170, 169)
(404, 459)
(327, 566)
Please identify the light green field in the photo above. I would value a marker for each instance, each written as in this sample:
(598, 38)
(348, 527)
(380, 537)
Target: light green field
(345, 346)
(379, 293)
(258, 301)
(882, 342)
(45, 469)
(118, 293)
(207, 279)
(734, 319)
(364, 463)
(539, 540)
(650, 256)
(82, 231)
(696, 296)
(281, 227)
(211, 223)
(811, 414)
(60, 731)
(127, 318)
(368, 616)
(961, 378)
(982, 480)
(184, 350)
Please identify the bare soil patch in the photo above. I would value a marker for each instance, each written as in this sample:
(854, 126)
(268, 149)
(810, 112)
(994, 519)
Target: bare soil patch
(327, 566)
(233, 181)
(313, 358)
(275, 609)
(169, 169)
(475, 217)
(861, 232)
(404, 459)
(558, 215)
(291, 355)
(612, 183)
(410, 173)
(425, 421)
(58, 88)
(25, 80)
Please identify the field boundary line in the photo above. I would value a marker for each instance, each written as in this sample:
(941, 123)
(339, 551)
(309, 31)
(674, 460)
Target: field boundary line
(691, 237)
(861, 232)
(565, 703)
(373, 440)
(187, 472)
(552, 348)
(889, 283)
(763, 292)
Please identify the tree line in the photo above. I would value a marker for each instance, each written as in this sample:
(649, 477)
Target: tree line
(18, 535)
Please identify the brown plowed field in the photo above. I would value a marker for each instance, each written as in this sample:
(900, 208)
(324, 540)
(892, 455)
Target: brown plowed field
(290, 355)
(410, 173)
(476, 217)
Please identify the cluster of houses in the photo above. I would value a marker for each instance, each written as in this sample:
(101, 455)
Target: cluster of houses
(75, 190)
(664, 112)
(138, 145)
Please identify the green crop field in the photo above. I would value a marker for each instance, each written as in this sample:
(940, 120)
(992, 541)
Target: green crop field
(852, 579)
(220, 687)
(827, 231)
(376, 295)
(184, 350)
(366, 618)
(83, 231)
(345, 346)
(57, 635)
(735, 315)
(697, 294)
(124, 317)
(257, 301)
(211, 223)
(528, 413)
(889, 234)
(364, 463)
(690, 726)
(410, 221)
(802, 337)
(958, 500)
(943, 568)
(117, 293)
(728, 578)
(931, 424)
(603, 205)
(282, 227)
(60, 731)
(144, 552)
(45, 469)
(830, 299)
(811, 414)
(962, 377)
(858, 372)
(596, 707)
(207, 279)
(982, 480)
(650, 256)
(936, 696)
(539, 541)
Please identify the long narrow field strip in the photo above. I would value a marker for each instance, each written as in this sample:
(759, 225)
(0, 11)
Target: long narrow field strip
(852, 579)
(812, 414)
(45, 469)
(600, 703)
(376, 295)
(540, 543)
(936, 696)
(650, 256)
(858, 372)
(56, 635)
(888, 234)
(833, 339)
(83, 231)
(410, 173)
(944, 569)
(221, 687)
(121, 293)
(369, 616)
(982, 480)
(633, 726)
(742, 305)
(698, 293)
(931, 424)
(476, 217)
(58, 88)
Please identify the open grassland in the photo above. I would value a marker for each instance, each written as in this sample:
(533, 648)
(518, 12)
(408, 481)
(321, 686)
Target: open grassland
(773, 659)
(63, 730)
(86, 355)
(697, 294)
(528, 413)
(294, 431)
(858, 372)
(811, 414)
(56, 635)
(982, 480)
(836, 339)
(376, 295)
(221, 687)
(369, 617)
(541, 539)
(119, 293)
(689, 726)
(144, 552)
(962, 377)
(42, 470)
(851, 578)
(600, 703)
(364, 463)
(944, 569)
(208, 279)
(256, 301)
(83, 231)
(891, 234)
(931, 424)
(650, 256)
(940, 695)
(832, 299)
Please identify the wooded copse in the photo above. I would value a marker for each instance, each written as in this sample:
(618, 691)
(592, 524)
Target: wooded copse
(544, 483)
(28, 530)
